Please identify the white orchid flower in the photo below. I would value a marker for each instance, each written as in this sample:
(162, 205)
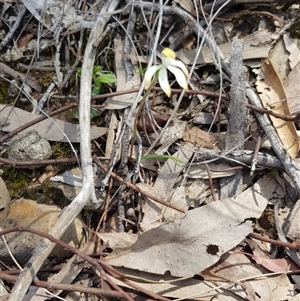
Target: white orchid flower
(168, 63)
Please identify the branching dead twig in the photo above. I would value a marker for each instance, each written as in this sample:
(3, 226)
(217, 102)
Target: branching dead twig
(99, 265)
(15, 26)
(87, 192)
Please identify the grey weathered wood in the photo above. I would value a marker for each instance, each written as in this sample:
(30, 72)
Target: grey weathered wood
(236, 129)
(87, 192)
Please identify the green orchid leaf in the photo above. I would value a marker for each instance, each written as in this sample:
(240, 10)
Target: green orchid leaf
(95, 113)
(107, 78)
(96, 90)
(73, 114)
(96, 70)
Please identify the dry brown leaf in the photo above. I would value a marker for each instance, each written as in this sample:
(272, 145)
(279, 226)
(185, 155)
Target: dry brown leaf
(152, 211)
(22, 42)
(193, 288)
(292, 88)
(164, 188)
(236, 267)
(200, 138)
(117, 240)
(273, 97)
(187, 5)
(211, 170)
(278, 265)
(171, 169)
(15, 117)
(187, 247)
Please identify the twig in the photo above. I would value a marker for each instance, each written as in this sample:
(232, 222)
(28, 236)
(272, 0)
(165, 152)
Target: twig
(78, 60)
(256, 150)
(38, 162)
(270, 112)
(127, 45)
(244, 157)
(232, 186)
(135, 188)
(116, 274)
(275, 242)
(66, 287)
(61, 243)
(38, 108)
(211, 185)
(115, 286)
(30, 82)
(37, 120)
(289, 166)
(291, 253)
(189, 92)
(87, 192)
(57, 63)
(19, 18)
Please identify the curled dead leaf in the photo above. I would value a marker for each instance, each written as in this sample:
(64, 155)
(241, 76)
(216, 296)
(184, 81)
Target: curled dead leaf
(273, 96)
(144, 124)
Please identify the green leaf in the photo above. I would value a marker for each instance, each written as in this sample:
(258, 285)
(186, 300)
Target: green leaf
(107, 78)
(95, 113)
(96, 90)
(96, 69)
(73, 114)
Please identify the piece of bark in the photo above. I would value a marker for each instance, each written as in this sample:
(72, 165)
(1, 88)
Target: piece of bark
(232, 186)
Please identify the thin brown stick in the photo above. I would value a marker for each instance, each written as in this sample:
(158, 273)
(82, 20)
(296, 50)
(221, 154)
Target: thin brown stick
(189, 92)
(65, 287)
(275, 242)
(115, 286)
(270, 112)
(116, 274)
(97, 264)
(61, 243)
(139, 190)
(37, 120)
(211, 185)
(38, 162)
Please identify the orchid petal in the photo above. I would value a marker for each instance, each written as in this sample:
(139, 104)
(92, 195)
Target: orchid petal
(149, 75)
(163, 81)
(180, 65)
(166, 61)
(180, 77)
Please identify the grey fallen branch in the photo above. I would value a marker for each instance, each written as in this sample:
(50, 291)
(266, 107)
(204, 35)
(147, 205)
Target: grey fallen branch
(87, 192)
(237, 121)
(242, 156)
(289, 165)
(16, 25)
